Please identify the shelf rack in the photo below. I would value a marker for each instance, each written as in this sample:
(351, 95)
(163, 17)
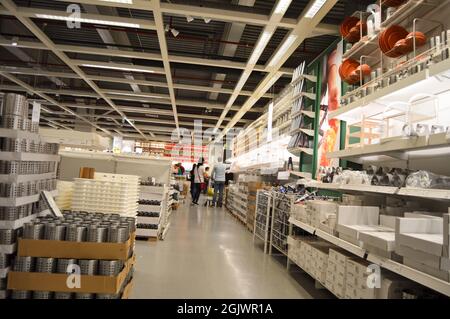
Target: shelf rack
(398, 268)
(263, 218)
(396, 148)
(151, 193)
(279, 228)
(433, 194)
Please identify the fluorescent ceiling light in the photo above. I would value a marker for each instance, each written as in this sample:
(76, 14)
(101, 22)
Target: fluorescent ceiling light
(14, 41)
(289, 41)
(84, 20)
(282, 6)
(111, 67)
(316, 6)
(265, 37)
(136, 94)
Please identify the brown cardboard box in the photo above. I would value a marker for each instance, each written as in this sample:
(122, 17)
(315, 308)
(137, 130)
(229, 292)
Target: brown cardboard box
(77, 250)
(127, 290)
(58, 282)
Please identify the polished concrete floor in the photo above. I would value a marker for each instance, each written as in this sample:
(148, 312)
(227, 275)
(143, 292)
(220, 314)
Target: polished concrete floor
(208, 254)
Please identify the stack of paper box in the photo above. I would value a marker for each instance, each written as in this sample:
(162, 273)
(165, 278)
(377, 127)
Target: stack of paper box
(423, 243)
(336, 271)
(299, 213)
(360, 281)
(381, 241)
(322, 214)
(319, 261)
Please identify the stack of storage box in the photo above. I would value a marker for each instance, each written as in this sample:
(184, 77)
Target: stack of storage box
(336, 271)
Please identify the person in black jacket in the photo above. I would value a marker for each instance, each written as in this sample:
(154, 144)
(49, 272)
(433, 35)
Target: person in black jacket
(192, 179)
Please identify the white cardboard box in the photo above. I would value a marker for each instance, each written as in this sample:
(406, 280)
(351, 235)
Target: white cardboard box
(425, 234)
(419, 256)
(384, 241)
(444, 275)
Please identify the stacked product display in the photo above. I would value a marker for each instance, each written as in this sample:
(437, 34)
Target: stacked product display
(236, 203)
(28, 166)
(107, 193)
(400, 236)
(241, 200)
(99, 245)
(151, 209)
(65, 192)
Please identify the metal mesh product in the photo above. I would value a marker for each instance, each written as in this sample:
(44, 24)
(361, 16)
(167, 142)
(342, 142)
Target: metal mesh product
(88, 266)
(63, 264)
(84, 296)
(33, 231)
(54, 231)
(15, 104)
(63, 295)
(24, 264)
(97, 234)
(45, 265)
(5, 260)
(21, 294)
(109, 267)
(118, 234)
(42, 295)
(76, 233)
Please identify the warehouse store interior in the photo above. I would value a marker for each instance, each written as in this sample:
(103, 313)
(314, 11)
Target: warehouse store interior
(225, 149)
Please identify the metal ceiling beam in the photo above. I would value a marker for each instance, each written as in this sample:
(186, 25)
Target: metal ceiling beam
(30, 89)
(33, 28)
(268, 31)
(143, 110)
(187, 87)
(226, 64)
(139, 119)
(212, 13)
(292, 40)
(192, 103)
(159, 21)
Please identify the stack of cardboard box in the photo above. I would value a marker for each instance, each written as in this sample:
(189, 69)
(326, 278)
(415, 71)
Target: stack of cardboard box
(336, 271)
(65, 283)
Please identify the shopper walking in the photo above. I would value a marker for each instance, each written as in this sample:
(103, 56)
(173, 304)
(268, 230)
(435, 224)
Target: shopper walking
(199, 179)
(218, 176)
(192, 180)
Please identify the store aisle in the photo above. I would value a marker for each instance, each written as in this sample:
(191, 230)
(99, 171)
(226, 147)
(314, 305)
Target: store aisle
(208, 254)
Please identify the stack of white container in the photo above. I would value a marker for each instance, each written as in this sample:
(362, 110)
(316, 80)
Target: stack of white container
(107, 193)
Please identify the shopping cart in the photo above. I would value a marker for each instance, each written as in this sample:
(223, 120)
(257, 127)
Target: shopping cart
(209, 194)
